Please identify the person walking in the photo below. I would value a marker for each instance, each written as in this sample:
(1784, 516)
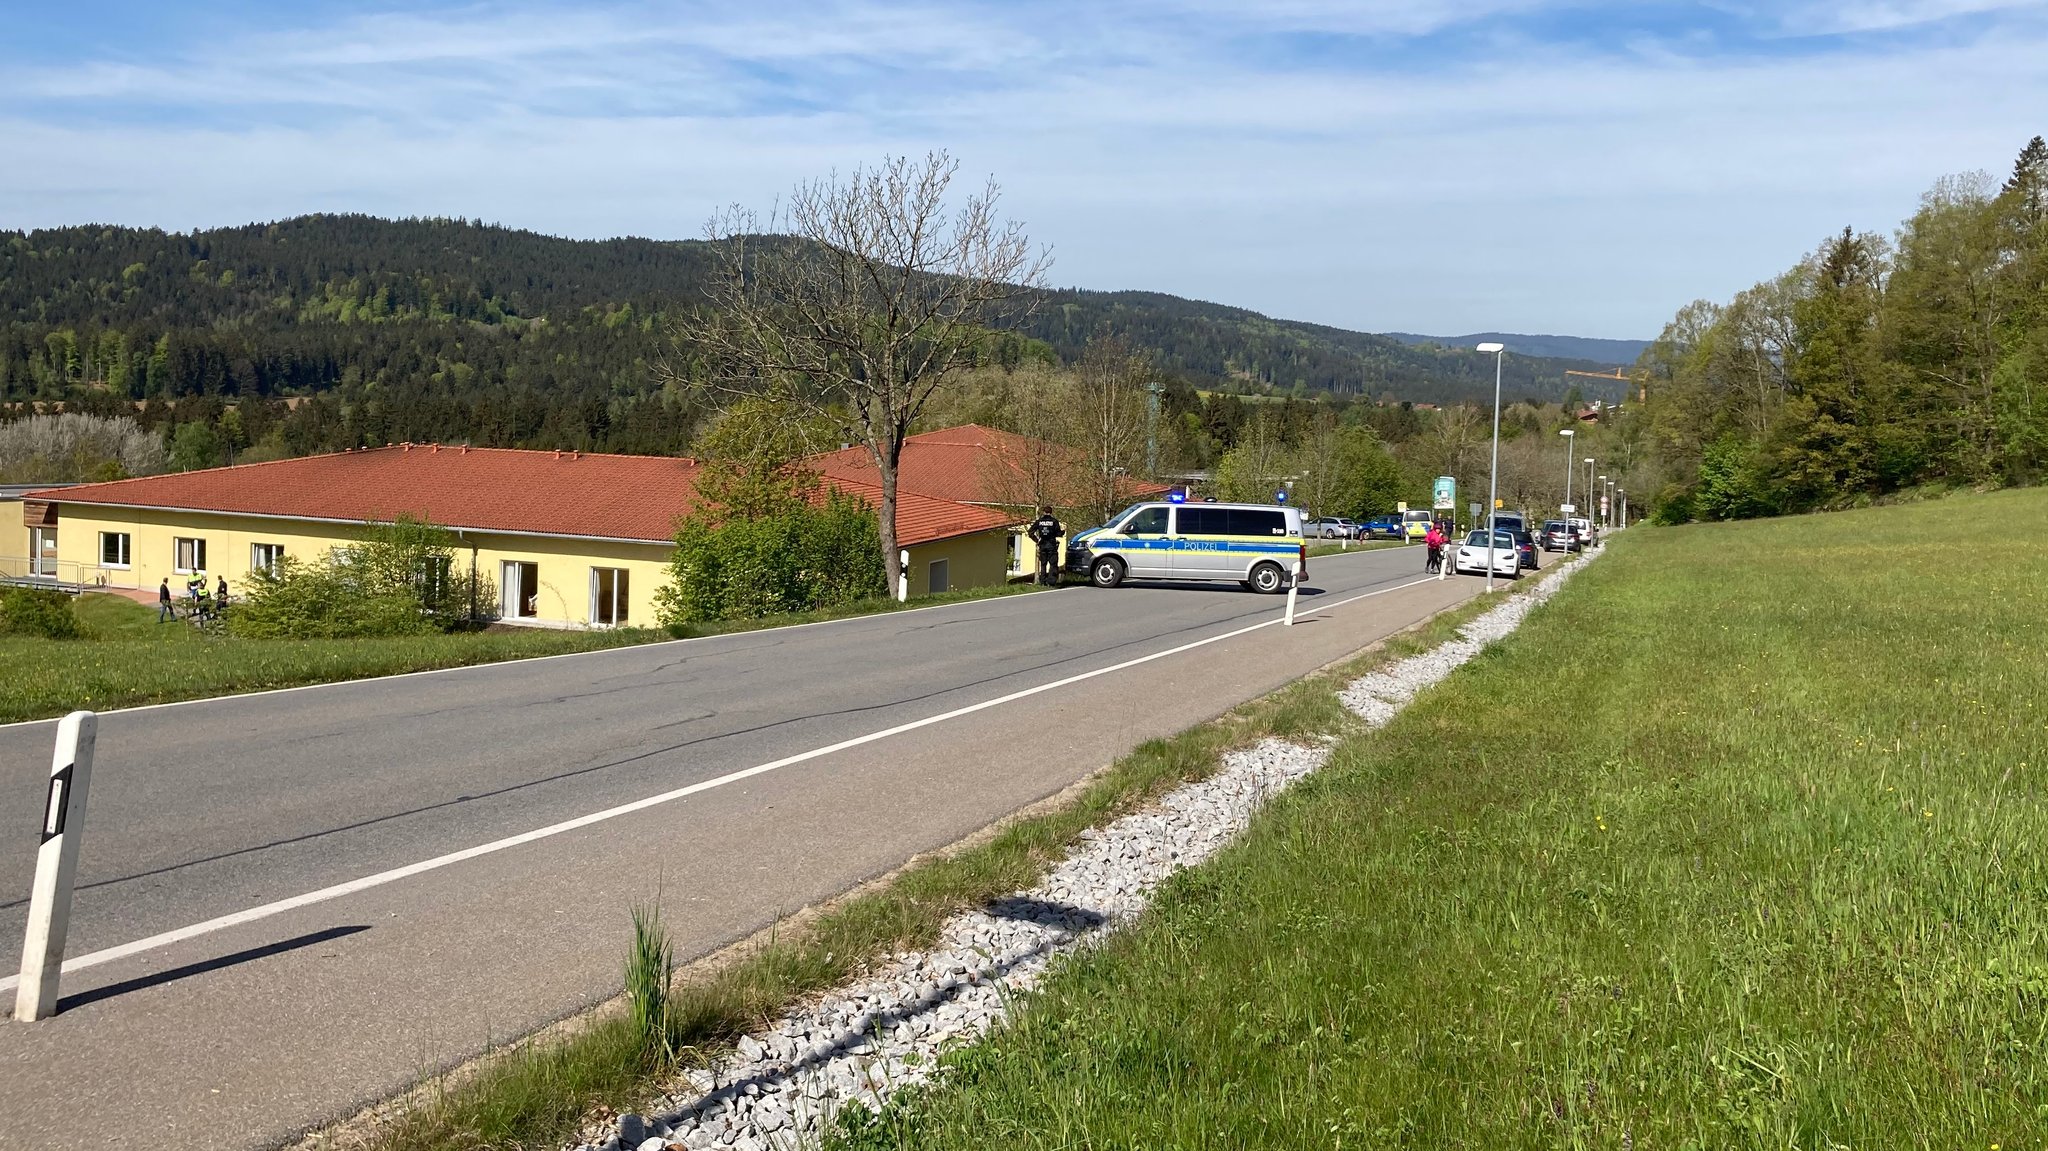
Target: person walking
(1434, 540)
(164, 610)
(1046, 531)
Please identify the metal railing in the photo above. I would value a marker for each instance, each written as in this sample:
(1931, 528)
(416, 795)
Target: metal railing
(29, 571)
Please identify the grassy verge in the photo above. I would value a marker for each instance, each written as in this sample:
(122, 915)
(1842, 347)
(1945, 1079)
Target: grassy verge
(130, 659)
(1738, 843)
(537, 1096)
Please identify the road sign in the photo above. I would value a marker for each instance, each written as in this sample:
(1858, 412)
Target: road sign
(1567, 508)
(1446, 493)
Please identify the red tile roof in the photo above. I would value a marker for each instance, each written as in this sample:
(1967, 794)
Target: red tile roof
(486, 489)
(974, 464)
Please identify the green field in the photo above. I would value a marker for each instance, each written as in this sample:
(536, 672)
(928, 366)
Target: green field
(130, 659)
(1740, 842)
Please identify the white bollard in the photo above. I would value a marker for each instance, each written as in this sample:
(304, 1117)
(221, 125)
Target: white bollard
(49, 905)
(903, 577)
(1293, 586)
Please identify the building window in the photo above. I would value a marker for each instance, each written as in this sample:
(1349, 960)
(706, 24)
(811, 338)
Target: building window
(519, 590)
(608, 596)
(264, 557)
(113, 549)
(939, 578)
(191, 555)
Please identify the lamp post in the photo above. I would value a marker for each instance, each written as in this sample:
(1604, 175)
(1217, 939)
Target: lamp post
(1589, 491)
(1499, 353)
(1566, 509)
(1604, 521)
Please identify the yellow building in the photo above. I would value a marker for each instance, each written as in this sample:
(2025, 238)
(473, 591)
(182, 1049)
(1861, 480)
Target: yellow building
(570, 539)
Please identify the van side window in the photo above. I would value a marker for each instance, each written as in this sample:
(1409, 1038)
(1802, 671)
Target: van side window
(1198, 521)
(1150, 522)
(1256, 522)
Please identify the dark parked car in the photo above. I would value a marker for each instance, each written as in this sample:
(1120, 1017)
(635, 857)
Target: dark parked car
(1559, 536)
(1525, 549)
(1381, 528)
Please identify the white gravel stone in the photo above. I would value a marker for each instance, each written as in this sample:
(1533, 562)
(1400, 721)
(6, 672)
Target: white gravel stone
(862, 1043)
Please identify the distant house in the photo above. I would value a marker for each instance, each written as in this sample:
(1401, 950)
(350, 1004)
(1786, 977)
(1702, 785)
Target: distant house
(991, 468)
(572, 539)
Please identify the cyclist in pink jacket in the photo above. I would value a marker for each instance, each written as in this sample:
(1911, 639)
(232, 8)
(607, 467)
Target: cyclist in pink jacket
(1435, 542)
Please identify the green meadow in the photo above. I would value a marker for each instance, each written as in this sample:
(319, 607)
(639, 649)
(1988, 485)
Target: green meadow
(1739, 843)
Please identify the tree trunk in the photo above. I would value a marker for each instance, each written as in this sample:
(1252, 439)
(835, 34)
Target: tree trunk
(887, 455)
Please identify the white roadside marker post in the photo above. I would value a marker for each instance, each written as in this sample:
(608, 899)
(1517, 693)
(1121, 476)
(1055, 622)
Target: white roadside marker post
(1293, 586)
(903, 577)
(49, 906)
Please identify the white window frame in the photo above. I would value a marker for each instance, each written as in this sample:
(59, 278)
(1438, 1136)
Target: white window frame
(126, 550)
(265, 557)
(621, 597)
(178, 554)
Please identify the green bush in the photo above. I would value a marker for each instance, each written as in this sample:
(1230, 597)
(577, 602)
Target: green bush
(37, 612)
(323, 601)
(401, 579)
(800, 558)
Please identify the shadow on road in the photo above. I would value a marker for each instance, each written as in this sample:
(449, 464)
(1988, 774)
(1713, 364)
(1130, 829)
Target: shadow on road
(142, 982)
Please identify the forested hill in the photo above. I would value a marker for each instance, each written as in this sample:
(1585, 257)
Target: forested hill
(458, 329)
(1619, 353)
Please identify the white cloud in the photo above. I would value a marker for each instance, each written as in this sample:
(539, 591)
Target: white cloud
(1530, 189)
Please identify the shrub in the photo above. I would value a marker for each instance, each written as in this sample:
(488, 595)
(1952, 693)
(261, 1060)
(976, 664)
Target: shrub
(37, 612)
(401, 579)
(322, 600)
(798, 558)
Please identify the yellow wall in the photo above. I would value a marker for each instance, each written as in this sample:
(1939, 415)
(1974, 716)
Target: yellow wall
(564, 565)
(980, 560)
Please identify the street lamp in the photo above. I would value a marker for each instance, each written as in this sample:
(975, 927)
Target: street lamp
(1605, 521)
(1566, 507)
(1589, 489)
(1499, 353)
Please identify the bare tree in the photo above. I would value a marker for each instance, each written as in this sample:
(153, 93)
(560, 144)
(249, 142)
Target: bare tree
(1109, 415)
(57, 447)
(857, 299)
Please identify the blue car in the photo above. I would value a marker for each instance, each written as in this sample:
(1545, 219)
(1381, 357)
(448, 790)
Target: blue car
(1381, 528)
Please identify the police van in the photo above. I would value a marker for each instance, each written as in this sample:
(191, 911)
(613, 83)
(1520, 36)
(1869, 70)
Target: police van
(1258, 545)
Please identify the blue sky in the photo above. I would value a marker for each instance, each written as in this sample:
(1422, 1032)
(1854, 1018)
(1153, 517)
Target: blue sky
(1427, 165)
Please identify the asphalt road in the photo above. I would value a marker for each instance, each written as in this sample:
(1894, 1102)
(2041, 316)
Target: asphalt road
(248, 1035)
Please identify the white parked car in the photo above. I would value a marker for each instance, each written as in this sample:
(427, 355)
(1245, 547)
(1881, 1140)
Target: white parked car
(1331, 528)
(1472, 558)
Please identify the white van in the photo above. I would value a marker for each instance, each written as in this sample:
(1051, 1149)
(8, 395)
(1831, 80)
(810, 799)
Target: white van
(1258, 545)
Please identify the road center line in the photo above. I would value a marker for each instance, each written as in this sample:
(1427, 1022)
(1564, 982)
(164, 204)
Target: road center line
(265, 911)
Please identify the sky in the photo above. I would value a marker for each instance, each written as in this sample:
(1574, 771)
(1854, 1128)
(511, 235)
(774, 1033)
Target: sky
(1436, 166)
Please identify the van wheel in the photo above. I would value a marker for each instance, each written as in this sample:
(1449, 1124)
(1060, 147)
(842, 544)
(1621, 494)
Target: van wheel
(1267, 578)
(1106, 572)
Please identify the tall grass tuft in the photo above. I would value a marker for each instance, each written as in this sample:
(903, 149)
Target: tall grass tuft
(649, 968)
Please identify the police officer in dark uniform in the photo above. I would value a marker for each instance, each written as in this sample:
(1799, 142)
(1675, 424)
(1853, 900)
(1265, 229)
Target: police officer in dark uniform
(1045, 531)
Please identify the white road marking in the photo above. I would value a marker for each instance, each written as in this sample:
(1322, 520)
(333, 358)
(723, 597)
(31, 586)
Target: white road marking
(265, 911)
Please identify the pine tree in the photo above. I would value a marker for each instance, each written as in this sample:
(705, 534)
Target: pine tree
(2028, 186)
